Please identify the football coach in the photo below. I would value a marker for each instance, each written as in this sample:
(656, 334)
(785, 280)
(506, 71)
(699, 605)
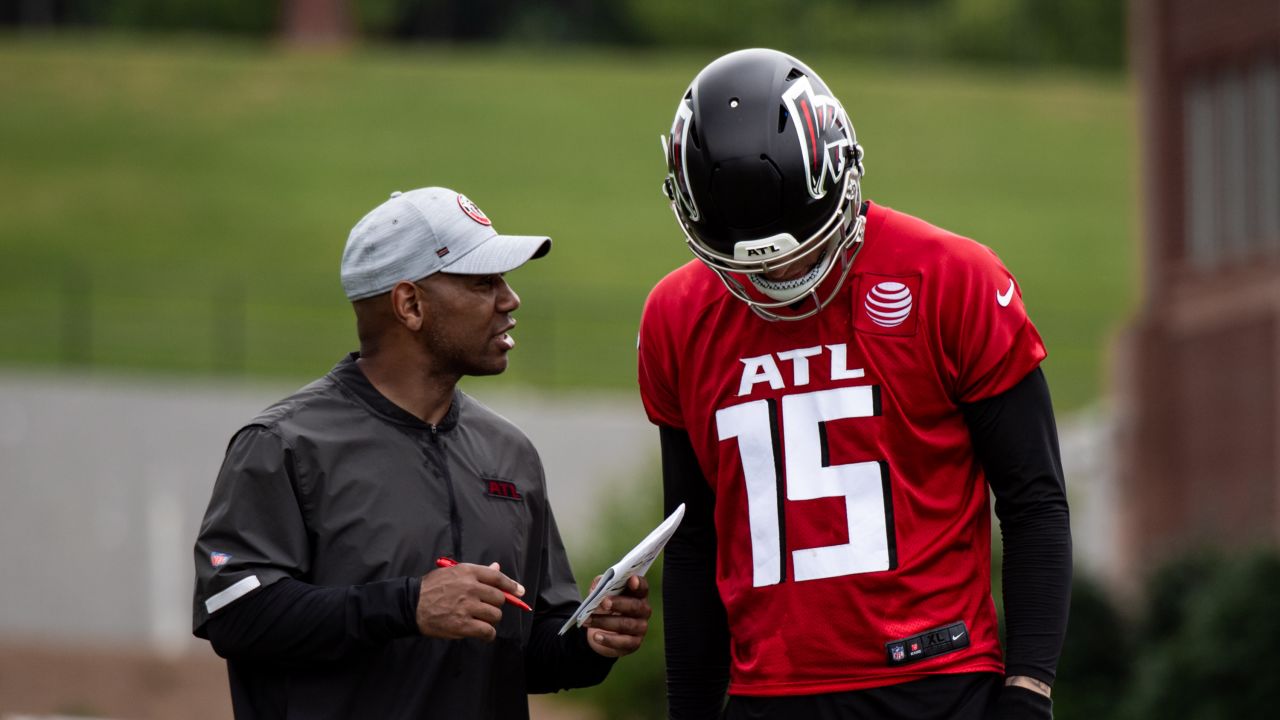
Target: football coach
(371, 538)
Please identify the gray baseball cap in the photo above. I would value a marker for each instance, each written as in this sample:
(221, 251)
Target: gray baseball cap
(426, 231)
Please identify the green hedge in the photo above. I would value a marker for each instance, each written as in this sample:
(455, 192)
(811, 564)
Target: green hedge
(1210, 647)
(1204, 644)
(234, 17)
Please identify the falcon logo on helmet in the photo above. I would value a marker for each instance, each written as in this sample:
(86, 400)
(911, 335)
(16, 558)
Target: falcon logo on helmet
(678, 154)
(816, 115)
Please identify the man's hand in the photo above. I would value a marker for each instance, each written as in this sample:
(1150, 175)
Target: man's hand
(463, 601)
(618, 626)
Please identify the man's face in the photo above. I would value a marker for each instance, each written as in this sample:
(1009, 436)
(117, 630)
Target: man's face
(467, 321)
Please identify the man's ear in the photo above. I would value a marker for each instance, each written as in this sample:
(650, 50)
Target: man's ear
(408, 305)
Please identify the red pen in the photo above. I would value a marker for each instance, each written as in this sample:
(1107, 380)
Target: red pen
(450, 562)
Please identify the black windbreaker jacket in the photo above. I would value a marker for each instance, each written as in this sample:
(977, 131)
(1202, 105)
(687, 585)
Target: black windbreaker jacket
(328, 509)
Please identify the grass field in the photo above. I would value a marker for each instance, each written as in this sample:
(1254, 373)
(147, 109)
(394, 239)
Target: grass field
(182, 207)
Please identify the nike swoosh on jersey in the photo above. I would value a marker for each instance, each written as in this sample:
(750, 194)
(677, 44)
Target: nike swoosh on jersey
(957, 636)
(1005, 297)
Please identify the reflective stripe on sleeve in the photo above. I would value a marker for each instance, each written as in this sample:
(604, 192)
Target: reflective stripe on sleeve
(231, 594)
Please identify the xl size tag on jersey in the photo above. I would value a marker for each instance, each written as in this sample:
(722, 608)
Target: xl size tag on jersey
(927, 644)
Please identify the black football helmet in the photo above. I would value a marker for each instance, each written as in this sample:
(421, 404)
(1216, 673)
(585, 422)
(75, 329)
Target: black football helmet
(763, 171)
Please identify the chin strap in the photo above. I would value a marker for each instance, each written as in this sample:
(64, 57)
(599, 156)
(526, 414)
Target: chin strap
(858, 228)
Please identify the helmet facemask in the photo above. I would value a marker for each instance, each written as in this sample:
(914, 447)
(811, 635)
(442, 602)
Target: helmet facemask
(836, 244)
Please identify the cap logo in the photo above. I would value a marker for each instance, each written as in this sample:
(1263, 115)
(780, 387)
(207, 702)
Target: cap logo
(472, 211)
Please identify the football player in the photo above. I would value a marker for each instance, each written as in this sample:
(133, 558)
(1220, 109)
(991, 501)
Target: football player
(836, 386)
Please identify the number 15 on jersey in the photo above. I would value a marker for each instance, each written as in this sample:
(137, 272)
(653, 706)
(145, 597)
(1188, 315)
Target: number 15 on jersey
(863, 485)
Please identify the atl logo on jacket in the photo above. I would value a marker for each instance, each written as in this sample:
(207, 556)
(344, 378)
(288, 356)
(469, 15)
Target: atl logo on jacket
(503, 489)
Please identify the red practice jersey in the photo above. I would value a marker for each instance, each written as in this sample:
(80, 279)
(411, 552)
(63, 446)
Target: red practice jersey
(854, 538)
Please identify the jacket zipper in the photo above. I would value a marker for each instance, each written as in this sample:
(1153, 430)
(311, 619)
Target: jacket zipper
(455, 522)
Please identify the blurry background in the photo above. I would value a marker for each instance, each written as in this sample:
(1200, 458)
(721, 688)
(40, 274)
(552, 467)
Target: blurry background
(177, 180)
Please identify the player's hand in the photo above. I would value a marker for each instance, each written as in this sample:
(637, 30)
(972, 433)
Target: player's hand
(1019, 703)
(463, 601)
(618, 626)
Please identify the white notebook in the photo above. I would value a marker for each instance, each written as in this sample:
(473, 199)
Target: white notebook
(635, 562)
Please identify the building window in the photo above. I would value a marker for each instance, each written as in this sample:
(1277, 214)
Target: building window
(1265, 93)
(1231, 131)
(1201, 202)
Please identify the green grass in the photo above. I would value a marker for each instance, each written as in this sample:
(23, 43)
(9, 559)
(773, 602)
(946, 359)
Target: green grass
(165, 203)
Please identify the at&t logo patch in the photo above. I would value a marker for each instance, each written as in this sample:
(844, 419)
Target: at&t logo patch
(887, 304)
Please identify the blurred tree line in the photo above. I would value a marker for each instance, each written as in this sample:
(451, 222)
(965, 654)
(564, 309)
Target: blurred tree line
(1083, 33)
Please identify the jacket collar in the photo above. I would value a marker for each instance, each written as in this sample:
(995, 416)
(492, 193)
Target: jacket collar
(348, 373)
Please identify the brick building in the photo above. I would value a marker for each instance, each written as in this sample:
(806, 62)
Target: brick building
(1199, 369)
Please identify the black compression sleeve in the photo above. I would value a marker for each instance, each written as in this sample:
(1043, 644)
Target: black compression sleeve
(293, 621)
(556, 662)
(695, 627)
(1016, 439)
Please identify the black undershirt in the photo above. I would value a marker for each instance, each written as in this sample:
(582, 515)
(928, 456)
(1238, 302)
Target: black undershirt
(1014, 437)
(1016, 440)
